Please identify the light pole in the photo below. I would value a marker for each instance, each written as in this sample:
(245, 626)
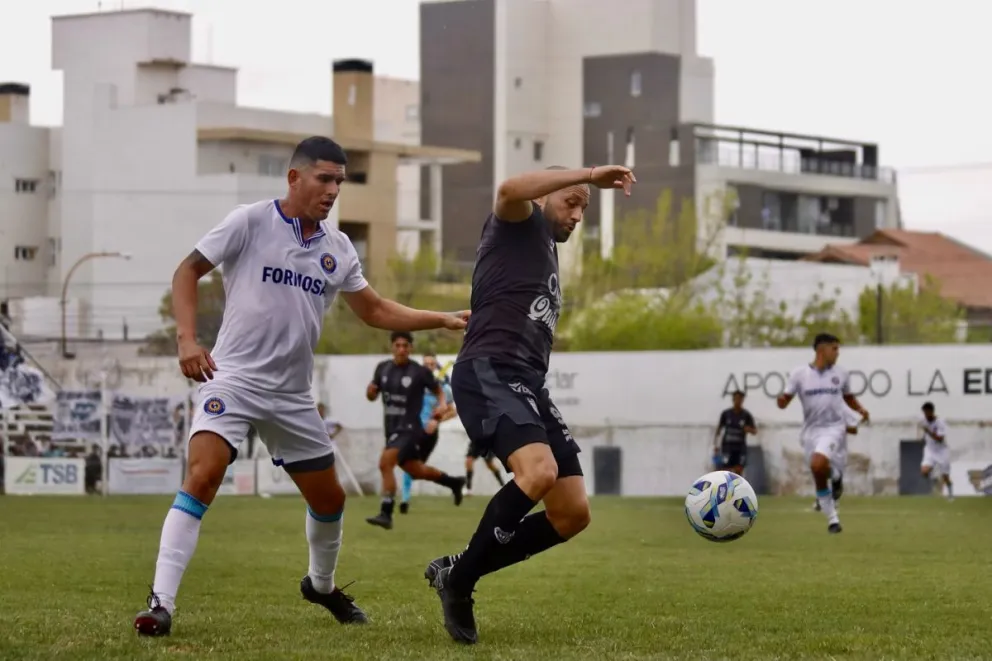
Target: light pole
(68, 276)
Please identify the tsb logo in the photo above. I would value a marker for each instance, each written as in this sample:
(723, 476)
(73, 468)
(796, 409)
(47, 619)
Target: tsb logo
(49, 473)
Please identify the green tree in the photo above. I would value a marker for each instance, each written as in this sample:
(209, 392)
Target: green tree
(910, 315)
(753, 319)
(635, 300)
(410, 282)
(209, 314)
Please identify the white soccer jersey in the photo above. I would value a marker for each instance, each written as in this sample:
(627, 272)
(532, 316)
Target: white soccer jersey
(821, 395)
(938, 427)
(277, 288)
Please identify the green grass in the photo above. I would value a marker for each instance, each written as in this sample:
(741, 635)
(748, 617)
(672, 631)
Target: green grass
(908, 579)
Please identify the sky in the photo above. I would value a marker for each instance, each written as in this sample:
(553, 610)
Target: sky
(911, 77)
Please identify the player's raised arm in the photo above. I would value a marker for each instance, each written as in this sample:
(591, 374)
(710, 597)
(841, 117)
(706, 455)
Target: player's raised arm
(379, 312)
(515, 196)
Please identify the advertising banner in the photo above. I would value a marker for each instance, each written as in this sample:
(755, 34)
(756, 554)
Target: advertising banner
(38, 476)
(144, 476)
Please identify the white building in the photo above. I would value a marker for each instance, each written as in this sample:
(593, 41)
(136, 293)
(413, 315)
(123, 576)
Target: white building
(154, 151)
(532, 83)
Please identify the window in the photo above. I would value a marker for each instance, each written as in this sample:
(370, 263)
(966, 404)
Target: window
(635, 83)
(25, 253)
(673, 148)
(538, 150)
(25, 185)
(352, 94)
(592, 109)
(271, 166)
(412, 112)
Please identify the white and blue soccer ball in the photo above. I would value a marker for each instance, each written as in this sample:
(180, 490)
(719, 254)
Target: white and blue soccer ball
(721, 506)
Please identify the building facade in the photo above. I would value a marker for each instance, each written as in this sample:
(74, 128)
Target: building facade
(533, 83)
(154, 150)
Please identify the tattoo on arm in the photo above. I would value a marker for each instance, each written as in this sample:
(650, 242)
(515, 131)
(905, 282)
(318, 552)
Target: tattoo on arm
(200, 264)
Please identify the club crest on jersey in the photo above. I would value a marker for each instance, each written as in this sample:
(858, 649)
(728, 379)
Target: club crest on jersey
(214, 406)
(406, 381)
(835, 381)
(328, 263)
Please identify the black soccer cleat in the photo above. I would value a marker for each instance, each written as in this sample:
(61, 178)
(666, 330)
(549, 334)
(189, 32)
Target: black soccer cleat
(837, 486)
(381, 520)
(156, 621)
(404, 508)
(341, 605)
(459, 619)
(437, 564)
(458, 491)
(834, 528)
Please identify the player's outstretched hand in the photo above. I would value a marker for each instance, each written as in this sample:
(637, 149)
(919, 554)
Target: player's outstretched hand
(865, 417)
(196, 362)
(613, 176)
(457, 320)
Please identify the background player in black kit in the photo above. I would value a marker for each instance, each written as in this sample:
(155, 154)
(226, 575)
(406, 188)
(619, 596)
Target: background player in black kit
(499, 378)
(402, 383)
(730, 441)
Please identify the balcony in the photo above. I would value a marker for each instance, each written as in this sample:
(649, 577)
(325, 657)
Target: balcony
(768, 151)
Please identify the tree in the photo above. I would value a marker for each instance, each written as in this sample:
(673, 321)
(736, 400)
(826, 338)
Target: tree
(209, 315)
(634, 300)
(410, 282)
(910, 315)
(753, 319)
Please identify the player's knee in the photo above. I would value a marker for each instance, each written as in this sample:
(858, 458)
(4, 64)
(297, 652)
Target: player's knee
(819, 464)
(387, 462)
(572, 519)
(537, 478)
(209, 457)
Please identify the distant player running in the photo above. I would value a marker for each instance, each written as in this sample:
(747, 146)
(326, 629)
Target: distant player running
(430, 421)
(824, 391)
(282, 267)
(498, 383)
(473, 454)
(936, 464)
(403, 383)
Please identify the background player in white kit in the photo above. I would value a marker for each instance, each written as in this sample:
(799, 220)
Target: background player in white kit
(936, 464)
(282, 268)
(824, 391)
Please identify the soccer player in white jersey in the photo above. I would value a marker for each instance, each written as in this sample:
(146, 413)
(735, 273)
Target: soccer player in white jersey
(936, 464)
(282, 266)
(824, 391)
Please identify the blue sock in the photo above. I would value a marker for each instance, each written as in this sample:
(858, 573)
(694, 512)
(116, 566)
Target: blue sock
(189, 505)
(407, 486)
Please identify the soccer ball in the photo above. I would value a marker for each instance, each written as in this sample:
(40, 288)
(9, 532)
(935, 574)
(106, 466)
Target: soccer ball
(721, 506)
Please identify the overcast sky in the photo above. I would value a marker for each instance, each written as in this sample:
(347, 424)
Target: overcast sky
(910, 76)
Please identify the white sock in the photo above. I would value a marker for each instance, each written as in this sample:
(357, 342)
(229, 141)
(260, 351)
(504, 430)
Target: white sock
(324, 537)
(827, 505)
(180, 532)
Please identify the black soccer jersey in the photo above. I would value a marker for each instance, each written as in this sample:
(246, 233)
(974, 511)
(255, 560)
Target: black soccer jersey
(516, 294)
(402, 390)
(733, 423)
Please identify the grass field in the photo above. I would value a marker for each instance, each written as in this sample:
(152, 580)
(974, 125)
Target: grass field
(908, 579)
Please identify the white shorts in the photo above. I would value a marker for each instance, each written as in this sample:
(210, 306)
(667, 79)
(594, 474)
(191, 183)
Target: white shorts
(831, 443)
(938, 459)
(288, 424)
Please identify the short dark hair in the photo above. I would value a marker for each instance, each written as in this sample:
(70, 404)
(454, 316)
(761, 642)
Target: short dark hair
(927, 407)
(430, 354)
(737, 393)
(825, 338)
(401, 335)
(317, 148)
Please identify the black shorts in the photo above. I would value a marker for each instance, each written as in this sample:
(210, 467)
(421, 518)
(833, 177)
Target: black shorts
(733, 455)
(427, 444)
(408, 442)
(504, 408)
(475, 452)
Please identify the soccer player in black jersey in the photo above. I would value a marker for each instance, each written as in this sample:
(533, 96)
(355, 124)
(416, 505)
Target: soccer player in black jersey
(402, 383)
(498, 382)
(730, 441)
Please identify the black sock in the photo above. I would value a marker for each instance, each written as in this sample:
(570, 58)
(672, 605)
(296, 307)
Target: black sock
(447, 481)
(534, 535)
(499, 522)
(468, 478)
(496, 473)
(387, 506)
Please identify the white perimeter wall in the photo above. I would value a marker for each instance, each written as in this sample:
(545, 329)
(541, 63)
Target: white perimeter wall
(660, 408)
